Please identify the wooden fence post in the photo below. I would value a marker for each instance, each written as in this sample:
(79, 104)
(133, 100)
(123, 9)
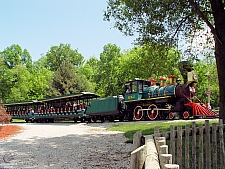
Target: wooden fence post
(165, 159)
(201, 157)
(194, 146)
(208, 147)
(221, 137)
(138, 158)
(159, 141)
(163, 149)
(187, 127)
(156, 131)
(152, 160)
(179, 145)
(214, 146)
(136, 140)
(171, 166)
(172, 143)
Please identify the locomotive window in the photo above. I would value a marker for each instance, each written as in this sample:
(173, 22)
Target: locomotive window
(140, 87)
(134, 87)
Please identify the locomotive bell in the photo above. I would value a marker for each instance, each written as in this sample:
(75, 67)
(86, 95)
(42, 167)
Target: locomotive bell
(192, 77)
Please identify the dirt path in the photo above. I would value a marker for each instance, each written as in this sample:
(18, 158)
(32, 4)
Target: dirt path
(67, 146)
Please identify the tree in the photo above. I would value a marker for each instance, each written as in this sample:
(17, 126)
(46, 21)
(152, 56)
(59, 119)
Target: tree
(66, 80)
(16, 66)
(14, 55)
(161, 21)
(19, 83)
(39, 81)
(107, 76)
(140, 62)
(207, 76)
(57, 54)
(90, 70)
(3, 80)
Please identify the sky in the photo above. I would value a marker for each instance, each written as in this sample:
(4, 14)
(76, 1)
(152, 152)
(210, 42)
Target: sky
(36, 25)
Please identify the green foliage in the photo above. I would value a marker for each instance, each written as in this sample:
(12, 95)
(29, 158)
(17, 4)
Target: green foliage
(58, 54)
(66, 80)
(202, 68)
(153, 20)
(108, 70)
(39, 82)
(151, 61)
(14, 55)
(90, 70)
(20, 79)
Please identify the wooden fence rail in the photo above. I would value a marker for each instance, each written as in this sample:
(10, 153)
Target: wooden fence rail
(190, 147)
(203, 146)
(150, 152)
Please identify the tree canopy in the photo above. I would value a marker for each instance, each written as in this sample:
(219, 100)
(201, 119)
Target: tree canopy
(57, 54)
(14, 55)
(163, 22)
(66, 80)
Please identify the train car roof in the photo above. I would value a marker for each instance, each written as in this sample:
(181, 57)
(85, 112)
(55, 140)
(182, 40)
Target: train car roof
(136, 79)
(22, 103)
(77, 96)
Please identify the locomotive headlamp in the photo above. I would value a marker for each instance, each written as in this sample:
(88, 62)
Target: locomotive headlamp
(192, 77)
(195, 77)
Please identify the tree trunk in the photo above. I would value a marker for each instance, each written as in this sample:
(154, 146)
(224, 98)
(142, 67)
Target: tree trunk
(219, 36)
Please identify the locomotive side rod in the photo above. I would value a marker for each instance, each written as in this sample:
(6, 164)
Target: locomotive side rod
(152, 109)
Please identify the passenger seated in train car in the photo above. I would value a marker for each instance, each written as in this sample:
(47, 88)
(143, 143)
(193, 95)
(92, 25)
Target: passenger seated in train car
(27, 111)
(52, 109)
(67, 105)
(40, 109)
(31, 111)
(82, 107)
(75, 105)
(24, 111)
(128, 89)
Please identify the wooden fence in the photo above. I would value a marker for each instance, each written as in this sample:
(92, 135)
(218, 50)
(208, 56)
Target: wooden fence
(150, 152)
(189, 147)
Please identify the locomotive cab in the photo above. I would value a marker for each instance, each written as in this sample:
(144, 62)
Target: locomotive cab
(134, 90)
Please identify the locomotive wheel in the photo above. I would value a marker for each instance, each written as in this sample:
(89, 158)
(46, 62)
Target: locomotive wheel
(153, 112)
(111, 119)
(171, 116)
(121, 118)
(82, 120)
(94, 119)
(75, 120)
(102, 119)
(138, 114)
(186, 115)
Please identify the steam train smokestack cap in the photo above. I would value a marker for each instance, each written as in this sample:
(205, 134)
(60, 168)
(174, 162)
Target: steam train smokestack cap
(172, 79)
(162, 81)
(163, 78)
(153, 82)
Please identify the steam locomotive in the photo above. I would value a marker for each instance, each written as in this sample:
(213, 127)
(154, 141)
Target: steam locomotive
(149, 100)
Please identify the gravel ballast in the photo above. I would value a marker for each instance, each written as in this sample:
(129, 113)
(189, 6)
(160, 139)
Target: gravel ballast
(65, 146)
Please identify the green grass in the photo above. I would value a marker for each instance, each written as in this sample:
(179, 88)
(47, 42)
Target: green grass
(18, 121)
(148, 128)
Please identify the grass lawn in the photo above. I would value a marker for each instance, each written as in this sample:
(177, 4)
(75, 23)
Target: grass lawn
(148, 128)
(18, 121)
